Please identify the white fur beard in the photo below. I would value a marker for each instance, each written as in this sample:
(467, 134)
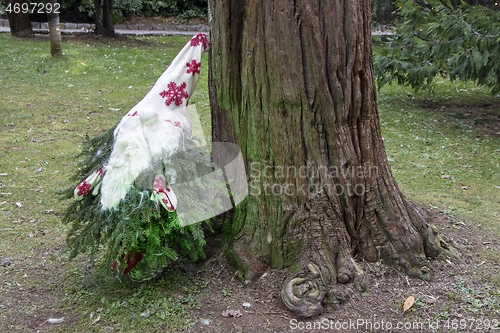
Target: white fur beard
(136, 147)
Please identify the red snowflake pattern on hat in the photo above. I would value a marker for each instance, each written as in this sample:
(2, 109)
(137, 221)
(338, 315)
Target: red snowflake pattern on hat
(174, 93)
(200, 38)
(193, 67)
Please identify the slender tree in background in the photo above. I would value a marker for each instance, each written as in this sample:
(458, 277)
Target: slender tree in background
(292, 84)
(20, 24)
(103, 23)
(54, 32)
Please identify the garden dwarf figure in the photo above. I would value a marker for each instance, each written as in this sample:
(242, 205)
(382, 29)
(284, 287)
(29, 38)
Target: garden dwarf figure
(149, 135)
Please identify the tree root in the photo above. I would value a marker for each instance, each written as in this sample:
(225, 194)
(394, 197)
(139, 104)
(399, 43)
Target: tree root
(304, 292)
(447, 246)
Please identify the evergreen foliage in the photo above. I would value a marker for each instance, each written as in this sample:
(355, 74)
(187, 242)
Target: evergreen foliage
(137, 224)
(438, 39)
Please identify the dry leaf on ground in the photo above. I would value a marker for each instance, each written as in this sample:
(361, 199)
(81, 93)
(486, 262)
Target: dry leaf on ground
(408, 303)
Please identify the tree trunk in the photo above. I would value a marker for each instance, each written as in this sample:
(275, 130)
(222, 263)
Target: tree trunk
(103, 23)
(108, 27)
(98, 18)
(54, 32)
(20, 24)
(292, 84)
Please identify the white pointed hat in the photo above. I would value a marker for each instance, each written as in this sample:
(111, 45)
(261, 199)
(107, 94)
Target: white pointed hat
(155, 127)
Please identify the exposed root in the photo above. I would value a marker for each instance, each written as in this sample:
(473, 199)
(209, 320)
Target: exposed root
(304, 292)
(448, 247)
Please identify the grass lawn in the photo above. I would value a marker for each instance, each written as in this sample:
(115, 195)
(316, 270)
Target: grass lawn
(444, 150)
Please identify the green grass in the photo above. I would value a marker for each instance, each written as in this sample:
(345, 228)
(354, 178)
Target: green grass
(442, 157)
(47, 106)
(159, 306)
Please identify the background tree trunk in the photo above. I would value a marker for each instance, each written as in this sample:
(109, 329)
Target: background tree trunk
(291, 83)
(98, 17)
(54, 32)
(103, 23)
(108, 27)
(20, 24)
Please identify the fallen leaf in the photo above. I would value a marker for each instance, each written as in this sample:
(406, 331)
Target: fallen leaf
(408, 303)
(431, 300)
(464, 187)
(445, 176)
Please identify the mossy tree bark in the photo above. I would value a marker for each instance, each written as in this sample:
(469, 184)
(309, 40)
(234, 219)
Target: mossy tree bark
(292, 84)
(54, 32)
